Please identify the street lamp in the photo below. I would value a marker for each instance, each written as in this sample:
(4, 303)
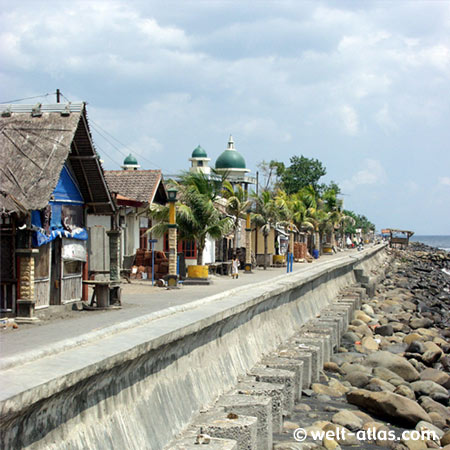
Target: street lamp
(172, 276)
(248, 247)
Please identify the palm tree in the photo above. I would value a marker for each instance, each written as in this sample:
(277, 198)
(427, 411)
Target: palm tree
(196, 216)
(266, 215)
(237, 205)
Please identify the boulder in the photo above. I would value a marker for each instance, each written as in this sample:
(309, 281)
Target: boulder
(422, 322)
(348, 420)
(369, 343)
(445, 440)
(405, 391)
(389, 405)
(431, 389)
(322, 389)
(432, 353)
(384, 330)
(430, 405)
(438, 376)
(377, 385)
(423, 425)
(394, 363)
(357, 379)
(412, 337)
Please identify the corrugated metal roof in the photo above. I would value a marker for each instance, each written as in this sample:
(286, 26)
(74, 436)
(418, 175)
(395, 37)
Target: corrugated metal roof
(55, 107)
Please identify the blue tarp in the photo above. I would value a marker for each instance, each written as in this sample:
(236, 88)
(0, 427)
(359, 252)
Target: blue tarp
(40, 238)
(66, 191)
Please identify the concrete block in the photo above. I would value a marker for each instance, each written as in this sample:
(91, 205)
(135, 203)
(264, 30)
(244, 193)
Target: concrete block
(301, 340)
(306, 358)
(293, 365)
(258, 406)
(249, 386)
(219, 424)
(328, 327)
(315, 353)
(278, 376)
(193, 443)
(325, 341)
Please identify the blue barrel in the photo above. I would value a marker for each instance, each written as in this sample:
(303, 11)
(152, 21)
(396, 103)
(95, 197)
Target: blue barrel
(316, 254)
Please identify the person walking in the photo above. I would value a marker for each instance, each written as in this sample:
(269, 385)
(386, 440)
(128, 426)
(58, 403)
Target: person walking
(235, 267)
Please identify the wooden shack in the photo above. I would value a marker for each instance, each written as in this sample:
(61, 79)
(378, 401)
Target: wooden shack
(51, 178)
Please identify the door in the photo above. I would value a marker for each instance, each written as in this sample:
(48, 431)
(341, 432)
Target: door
(55, 277)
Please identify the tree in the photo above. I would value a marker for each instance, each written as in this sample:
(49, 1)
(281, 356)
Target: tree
(196, 216)
(237, 205)
(271, 172)
(266, 215)
(301, 173)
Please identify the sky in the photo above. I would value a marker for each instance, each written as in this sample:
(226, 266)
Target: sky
(363, 86)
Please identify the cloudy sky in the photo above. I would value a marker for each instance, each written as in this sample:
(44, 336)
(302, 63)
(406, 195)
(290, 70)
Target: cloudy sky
(364, 86)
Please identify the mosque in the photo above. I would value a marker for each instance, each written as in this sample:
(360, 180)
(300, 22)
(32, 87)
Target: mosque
(229, 163)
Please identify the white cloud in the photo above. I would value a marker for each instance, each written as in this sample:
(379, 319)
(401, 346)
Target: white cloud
(444, 181)
(349, 119)
(371, 173)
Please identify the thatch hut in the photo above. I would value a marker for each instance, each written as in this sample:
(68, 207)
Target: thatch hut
(50, 179)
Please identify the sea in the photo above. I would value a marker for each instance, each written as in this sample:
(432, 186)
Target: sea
(442, 241)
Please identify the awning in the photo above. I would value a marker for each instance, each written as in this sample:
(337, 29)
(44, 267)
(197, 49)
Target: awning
(40, 238)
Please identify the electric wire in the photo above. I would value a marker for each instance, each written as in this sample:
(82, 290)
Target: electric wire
(27, 98)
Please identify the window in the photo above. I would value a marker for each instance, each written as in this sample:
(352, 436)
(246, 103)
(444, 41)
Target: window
(189, 248)
(200, 163)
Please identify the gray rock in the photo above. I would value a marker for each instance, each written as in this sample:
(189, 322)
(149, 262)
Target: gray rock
(395, 363)
(406, 391)
(423, 425)
(387, 404)
(431, 389)
(377, 385)
(384, 330)
(357, 379)
(422, 322)
(348, 420)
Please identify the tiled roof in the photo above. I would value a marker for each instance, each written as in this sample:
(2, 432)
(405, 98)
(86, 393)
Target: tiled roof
(139, 185)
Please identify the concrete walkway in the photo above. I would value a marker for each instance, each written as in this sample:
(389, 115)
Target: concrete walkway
(141, 302)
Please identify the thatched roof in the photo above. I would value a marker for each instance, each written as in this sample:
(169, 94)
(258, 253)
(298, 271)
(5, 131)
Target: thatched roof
(145, 186)
(35, 143)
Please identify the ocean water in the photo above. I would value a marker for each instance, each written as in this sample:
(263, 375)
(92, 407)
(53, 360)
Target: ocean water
(442, 242)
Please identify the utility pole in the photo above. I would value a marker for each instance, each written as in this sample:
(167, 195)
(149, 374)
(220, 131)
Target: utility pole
(58, 94)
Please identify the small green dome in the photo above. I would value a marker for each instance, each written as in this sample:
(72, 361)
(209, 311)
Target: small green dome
(130, 160)
(230, 158)
(199, 152)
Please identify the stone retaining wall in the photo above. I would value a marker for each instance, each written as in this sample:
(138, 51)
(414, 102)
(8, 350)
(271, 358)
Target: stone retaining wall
(136, 389)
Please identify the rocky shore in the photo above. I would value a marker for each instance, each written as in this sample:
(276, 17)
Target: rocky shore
(391, 373)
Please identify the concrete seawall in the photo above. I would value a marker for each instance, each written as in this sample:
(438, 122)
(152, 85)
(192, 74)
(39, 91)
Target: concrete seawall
(138, 387)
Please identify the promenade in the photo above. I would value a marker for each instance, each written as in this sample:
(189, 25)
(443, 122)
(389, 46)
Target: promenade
(141, 302)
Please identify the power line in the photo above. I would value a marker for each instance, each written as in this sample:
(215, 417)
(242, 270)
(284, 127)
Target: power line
(122, 144)
(27, 98)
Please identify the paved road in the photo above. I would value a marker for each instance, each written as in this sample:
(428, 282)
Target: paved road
(138, 300)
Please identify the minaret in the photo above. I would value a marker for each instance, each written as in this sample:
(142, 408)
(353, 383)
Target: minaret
(199, 161)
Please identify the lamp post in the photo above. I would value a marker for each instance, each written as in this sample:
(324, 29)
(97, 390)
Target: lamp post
(248, 242)
(172, 277)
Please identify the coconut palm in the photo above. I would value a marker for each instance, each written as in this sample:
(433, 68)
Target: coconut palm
(196, 215)
(266, 215)
(237, 204)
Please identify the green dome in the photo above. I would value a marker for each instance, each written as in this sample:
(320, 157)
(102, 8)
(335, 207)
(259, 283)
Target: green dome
(230, 158)
(199, 152)
(130, 160)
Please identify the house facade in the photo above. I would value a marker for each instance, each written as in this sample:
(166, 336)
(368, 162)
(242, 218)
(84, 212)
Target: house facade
(51, 180)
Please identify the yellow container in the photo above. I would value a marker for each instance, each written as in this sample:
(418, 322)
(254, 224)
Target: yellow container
(197, 271)
(327, 249)
(279, 259)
